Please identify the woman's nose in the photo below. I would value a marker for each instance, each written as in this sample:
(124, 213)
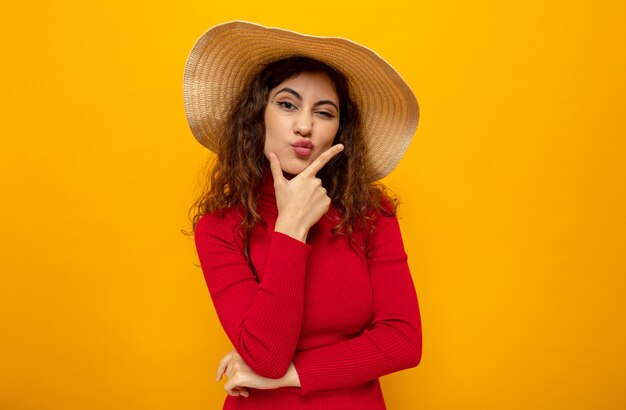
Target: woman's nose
(304, 124)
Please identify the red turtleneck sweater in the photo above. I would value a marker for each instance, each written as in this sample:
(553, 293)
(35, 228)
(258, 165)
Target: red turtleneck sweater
(343, 318)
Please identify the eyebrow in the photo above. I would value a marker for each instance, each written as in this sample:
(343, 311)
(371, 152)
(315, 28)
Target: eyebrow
(299, 97)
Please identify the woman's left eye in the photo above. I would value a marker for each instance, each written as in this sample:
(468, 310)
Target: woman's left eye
(326, 114)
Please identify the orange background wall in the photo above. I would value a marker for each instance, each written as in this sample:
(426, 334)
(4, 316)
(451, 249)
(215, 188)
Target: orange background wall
(513, 194)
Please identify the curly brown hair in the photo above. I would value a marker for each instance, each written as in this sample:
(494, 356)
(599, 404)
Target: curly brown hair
(235, 178)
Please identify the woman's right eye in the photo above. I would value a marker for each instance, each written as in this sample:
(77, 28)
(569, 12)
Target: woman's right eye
(286, 105)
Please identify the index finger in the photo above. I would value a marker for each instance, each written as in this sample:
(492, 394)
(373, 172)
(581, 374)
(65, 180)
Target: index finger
(322, 160)
(277, 171)
(223, 365)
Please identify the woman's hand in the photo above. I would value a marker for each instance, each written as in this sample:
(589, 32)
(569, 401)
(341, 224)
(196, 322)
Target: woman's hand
(222, 368)
(301, 201)
(241, 377)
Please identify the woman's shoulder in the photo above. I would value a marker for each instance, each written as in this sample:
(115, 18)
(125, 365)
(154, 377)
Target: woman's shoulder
(224, 220)
(386, 209)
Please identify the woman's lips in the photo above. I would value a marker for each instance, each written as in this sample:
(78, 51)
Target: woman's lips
(303, 148)
(302, 151)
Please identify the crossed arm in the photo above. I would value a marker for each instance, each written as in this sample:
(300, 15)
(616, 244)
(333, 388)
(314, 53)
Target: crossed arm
(252, 314)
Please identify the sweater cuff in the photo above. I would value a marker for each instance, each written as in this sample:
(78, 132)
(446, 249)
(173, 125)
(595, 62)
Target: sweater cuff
(287, 257)
(284, 243)
(315, 375)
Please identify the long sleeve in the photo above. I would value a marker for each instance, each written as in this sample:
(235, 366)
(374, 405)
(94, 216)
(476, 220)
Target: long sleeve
(393, 341)
(262, 320)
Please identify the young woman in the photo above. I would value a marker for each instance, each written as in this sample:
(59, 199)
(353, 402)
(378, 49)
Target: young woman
(301, 252)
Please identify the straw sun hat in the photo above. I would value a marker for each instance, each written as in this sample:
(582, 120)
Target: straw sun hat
(225, 58)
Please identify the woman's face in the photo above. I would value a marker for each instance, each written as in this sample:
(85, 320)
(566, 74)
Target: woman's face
(301, 120)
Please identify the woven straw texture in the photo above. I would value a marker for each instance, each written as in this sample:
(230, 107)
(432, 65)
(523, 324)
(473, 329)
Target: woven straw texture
(224, 58)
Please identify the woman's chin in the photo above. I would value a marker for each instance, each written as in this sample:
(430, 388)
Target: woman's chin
(294, 167)
(291, 172)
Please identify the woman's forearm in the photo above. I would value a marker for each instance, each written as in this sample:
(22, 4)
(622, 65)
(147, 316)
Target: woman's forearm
(291, 378)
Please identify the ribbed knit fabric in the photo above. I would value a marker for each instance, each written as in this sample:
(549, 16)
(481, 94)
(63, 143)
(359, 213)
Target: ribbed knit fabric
(342, 318)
